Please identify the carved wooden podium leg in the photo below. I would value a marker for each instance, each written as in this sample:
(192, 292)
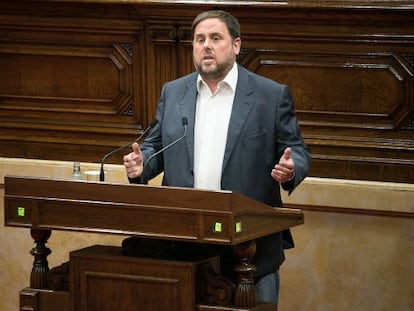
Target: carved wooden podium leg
(245, 290)
(38, 276)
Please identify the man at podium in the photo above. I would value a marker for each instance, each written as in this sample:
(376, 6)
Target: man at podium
(224, 127)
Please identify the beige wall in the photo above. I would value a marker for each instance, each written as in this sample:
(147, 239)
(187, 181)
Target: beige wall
(341, 261)
(351, 261)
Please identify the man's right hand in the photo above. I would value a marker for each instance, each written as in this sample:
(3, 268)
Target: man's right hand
(133, 162)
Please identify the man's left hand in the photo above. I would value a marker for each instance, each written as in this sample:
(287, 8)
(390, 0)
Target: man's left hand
(284, 171)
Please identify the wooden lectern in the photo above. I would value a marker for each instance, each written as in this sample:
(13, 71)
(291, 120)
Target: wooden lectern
(104, 278)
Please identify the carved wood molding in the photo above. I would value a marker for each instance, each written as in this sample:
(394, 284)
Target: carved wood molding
(36, 83)
(92, 72)
(161, 33)
(355, 90)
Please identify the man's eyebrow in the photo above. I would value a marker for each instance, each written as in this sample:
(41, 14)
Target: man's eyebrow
(216, 34)
(208, 35)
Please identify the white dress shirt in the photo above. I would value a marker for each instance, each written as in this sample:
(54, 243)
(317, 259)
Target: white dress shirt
(210, 133)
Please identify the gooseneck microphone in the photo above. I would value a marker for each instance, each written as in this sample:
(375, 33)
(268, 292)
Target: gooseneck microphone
(185, 125)
(145, 132)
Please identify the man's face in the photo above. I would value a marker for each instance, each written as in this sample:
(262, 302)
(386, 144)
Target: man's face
(214, 51)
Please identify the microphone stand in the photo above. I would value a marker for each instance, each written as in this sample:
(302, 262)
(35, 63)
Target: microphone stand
(102, 172)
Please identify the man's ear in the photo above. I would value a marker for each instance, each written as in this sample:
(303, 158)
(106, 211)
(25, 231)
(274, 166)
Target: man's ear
(237, 45)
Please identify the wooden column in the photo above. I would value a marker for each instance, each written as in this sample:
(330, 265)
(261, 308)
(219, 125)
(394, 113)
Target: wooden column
(38, 276)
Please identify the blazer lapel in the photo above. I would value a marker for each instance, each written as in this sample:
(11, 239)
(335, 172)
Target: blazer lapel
(242, 106)
(188, 99)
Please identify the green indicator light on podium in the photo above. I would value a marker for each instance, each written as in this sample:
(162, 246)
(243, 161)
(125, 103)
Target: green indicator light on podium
(238, 227)
(21, 211)
(217, 227)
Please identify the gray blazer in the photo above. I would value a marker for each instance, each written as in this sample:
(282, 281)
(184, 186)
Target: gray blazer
(262, 125)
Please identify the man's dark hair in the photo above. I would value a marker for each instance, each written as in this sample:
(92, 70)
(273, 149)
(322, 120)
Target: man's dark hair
(231, 22)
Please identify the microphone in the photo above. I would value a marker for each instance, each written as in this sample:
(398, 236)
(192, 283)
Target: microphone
(145, 132)
(185, 125)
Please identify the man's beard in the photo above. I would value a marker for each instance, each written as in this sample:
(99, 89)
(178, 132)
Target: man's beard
(219, 72)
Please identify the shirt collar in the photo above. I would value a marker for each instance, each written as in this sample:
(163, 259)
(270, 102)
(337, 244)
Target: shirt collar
(230, 79)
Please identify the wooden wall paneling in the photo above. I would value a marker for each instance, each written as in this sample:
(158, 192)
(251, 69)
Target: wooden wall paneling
(353, 96)
(162, 63)
(140, 109)
(69, 82)
(82, 77)
(185, 49)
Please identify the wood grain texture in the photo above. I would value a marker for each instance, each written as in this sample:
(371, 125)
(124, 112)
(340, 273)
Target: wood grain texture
(80, 78)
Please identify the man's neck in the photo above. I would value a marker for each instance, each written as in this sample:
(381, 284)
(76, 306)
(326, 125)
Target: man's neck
(212, 83)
